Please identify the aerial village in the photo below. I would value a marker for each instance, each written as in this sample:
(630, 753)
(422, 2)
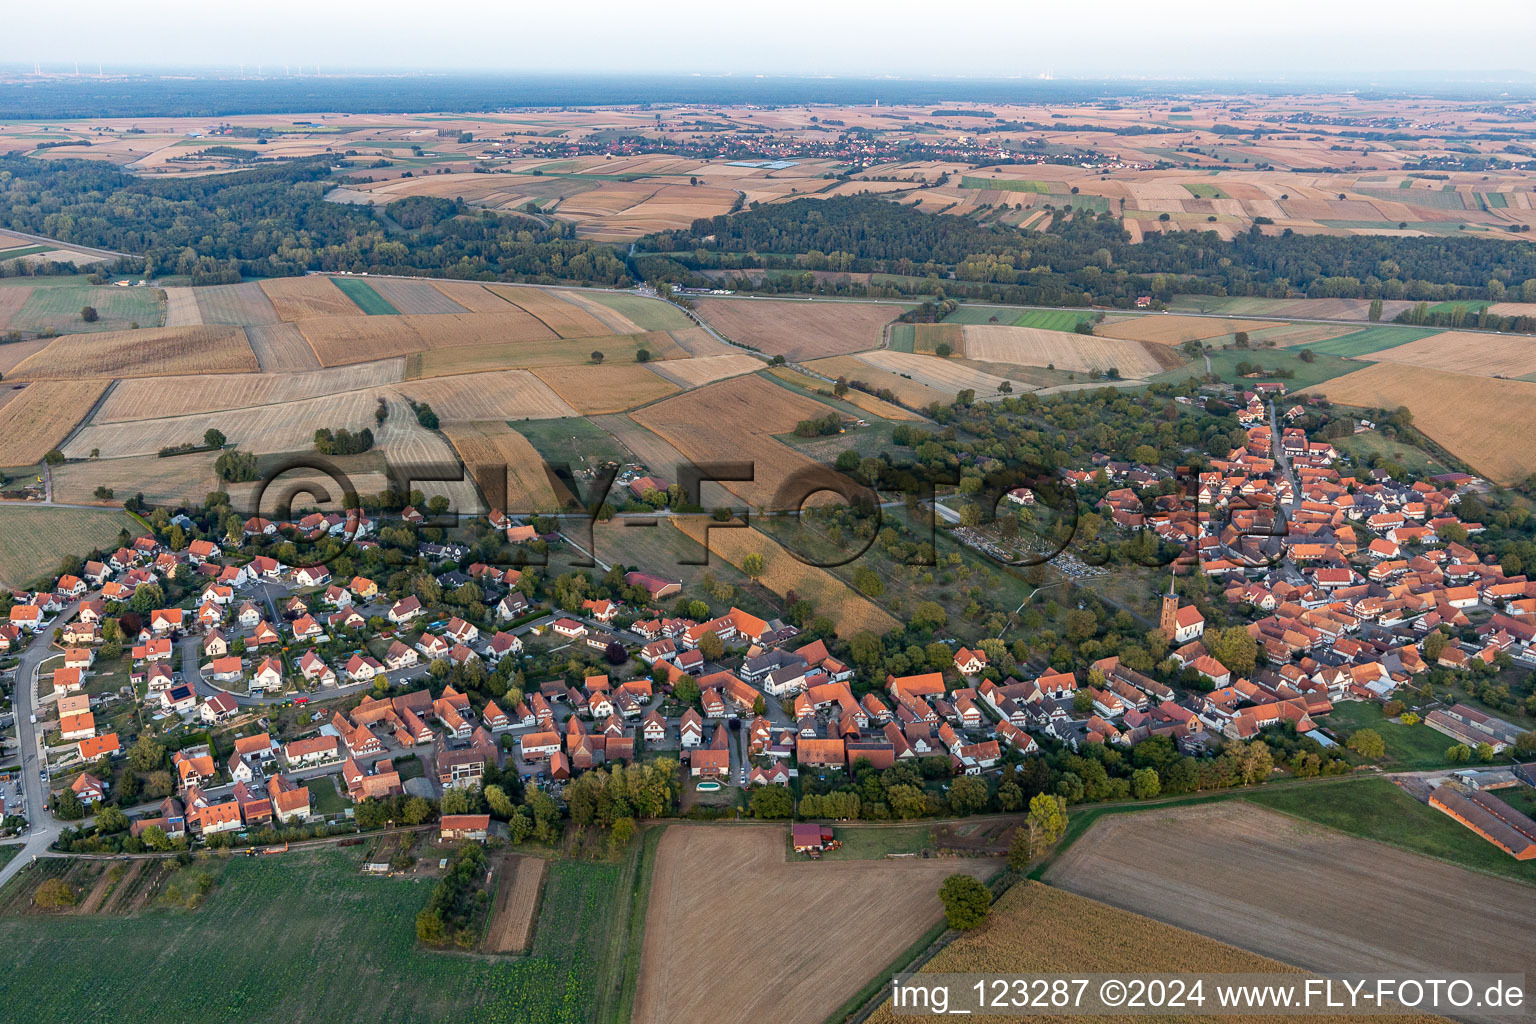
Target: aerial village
(269, 696)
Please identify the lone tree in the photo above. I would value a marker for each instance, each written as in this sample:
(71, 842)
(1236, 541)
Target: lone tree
(214, 438)
(966, 901)
(597, 357)
(752, 564)
(1367, 743)
(88, 314)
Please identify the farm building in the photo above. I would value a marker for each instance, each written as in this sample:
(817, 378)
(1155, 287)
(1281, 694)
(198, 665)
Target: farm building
(810, 837)
(1491, 818)
(465, 826)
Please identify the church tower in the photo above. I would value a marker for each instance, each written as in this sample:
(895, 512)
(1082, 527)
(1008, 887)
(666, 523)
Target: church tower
(1169, 623)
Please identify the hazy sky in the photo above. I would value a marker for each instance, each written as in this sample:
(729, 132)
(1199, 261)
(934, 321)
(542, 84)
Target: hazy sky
(1179, 38)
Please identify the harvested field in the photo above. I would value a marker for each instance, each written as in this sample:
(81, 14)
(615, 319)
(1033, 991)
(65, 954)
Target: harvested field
(1489, 355)
(566, 319)
(13, 353)
(518, 884)
(784, 572)
(242, 305)
(1038, 929)
(656, 454)
(281, 348)
(926, 339)
(908, 392)
(365, 298)
(153, 352)
(357, 339)
(1513, 309)
(42, 416)
(181, 307)
(733, 421)
(799, 329)
(414, 296)
(1301, 334)
(12, 298)
(612, 387)
(297, 298)
(1480, 420)
(156, 398)
(506, 468)
(1176, 330)
(472, 296)
(1031, 346)
(612, 320)
(34, 540)
(645, 313)
(616, 349)
(867, 402)
(55, 306)
(699, 343)
(943, 375)
(845, 903)
(185, 479)
(497, 395)
(1195, 866)
(694, 373)
(283, 427)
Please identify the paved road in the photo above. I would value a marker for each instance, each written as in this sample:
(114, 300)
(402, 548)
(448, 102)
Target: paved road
(44, 828)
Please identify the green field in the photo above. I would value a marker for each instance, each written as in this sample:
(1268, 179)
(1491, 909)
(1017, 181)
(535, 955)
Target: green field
(1409, 747)
(647, 314)
(363, 295)
(1206, 192)
(1005, 184)
(1465, 305)
(903, 336)
(25, 250)
(34, 540)
(572, 439)
(1377, 809)
(1013, 316)
(1052, 319)
(1224, 365)
(1370, 339)
(55, 305)
(333, 945)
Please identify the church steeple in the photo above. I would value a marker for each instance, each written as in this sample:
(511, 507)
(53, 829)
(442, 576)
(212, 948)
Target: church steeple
(1169, 623)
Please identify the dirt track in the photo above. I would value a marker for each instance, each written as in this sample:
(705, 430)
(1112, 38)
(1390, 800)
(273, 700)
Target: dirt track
(1303, 894)
(802, 937)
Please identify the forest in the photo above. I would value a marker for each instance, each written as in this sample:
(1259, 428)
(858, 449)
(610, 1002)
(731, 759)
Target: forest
(1079, 259)
(273, 221)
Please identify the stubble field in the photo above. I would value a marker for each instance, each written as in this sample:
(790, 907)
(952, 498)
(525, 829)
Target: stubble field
(159, 397)
(506, 468)
(1030, 346)
(945, 375)
(39, 418)
(297, 298)
(611, 387)
(498, 395)
(694, 373)
(1490, 355)
(733, 421)
(845, 905)
(1492, 441)
(796, 329)
(151, 352)
(1203, 867)
(1176, 330)
(564, 318)
(1034, 928)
